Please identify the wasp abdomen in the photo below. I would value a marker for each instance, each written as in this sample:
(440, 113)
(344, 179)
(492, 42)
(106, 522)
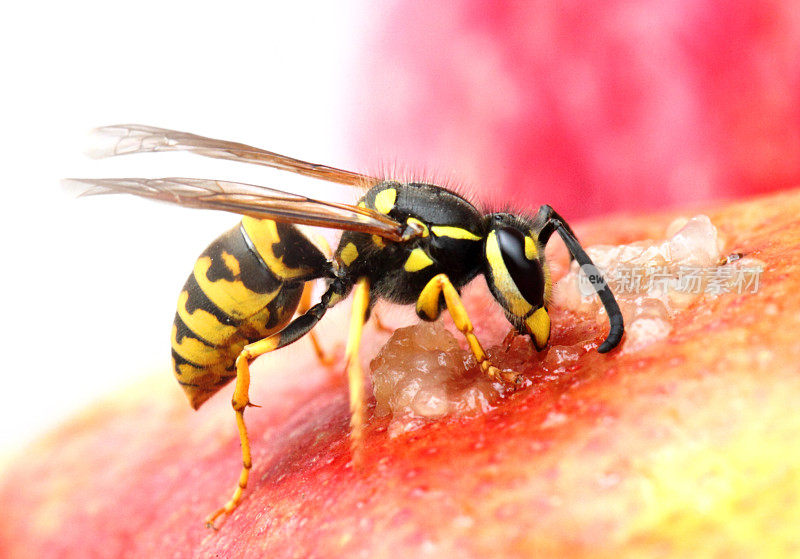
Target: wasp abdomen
(245, 286)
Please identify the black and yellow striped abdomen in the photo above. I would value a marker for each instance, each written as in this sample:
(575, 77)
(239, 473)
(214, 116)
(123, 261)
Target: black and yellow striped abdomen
(245, 286)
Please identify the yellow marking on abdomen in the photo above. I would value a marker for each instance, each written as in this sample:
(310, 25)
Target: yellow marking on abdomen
(319, 241)
(194, 350)
(203, 323)
(231, 297)
(417, 260)
(385, 199)
(263, 233)
(378, 240)
(200, 383)
(454, 233)
(231, 263)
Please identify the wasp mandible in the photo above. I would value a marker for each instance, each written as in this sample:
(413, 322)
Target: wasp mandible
(404, 242)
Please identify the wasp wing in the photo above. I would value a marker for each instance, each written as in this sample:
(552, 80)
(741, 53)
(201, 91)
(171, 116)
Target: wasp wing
(122, 139)
(251, 200)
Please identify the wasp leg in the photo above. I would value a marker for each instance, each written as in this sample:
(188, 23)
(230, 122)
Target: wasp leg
(509, 339)
(241, 398)
(355, 375)
(305, 304)
(379, 324)
(428, 309)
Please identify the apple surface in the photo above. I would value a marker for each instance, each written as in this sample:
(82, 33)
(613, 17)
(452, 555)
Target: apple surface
(685, 447)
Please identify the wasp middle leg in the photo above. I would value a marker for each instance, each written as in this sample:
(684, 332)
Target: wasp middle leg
(355, 374)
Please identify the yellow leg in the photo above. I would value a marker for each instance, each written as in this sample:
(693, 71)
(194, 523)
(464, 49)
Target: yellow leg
(295, 330)
(379, 323)
(428, 305)
(302, 307)
(355, 375)
(240, 401)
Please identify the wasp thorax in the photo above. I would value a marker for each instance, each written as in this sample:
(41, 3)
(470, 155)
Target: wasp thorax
(516, 277)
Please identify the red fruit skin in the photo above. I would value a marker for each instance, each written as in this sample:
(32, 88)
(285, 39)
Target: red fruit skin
(688, 447)
(591, 107)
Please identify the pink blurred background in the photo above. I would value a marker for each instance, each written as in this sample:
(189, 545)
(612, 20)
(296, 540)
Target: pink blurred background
(592, 107)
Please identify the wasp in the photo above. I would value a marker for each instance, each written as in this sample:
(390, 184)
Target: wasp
(408, 243)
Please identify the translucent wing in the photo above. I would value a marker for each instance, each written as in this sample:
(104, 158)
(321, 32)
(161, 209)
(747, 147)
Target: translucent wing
(251, 200)
(122, 139)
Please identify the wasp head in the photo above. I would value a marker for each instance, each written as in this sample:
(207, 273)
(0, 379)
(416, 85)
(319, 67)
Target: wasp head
(517, 275)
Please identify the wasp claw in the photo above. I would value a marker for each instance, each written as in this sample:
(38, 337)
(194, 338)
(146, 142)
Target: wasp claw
(509, 339)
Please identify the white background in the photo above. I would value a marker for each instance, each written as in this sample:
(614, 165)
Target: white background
(89, 286)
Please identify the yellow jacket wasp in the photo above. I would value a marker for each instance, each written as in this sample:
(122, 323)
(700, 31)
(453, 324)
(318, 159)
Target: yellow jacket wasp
(406, 243)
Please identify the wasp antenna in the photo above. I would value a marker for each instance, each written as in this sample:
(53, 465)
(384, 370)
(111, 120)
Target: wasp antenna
(614, 333)
(600, 286)
(549, 221)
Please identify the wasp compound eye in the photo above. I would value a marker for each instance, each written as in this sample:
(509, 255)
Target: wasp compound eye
(523, 266)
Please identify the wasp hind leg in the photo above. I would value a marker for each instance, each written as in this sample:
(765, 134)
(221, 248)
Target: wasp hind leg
(305, 303)
(241, 393)
(428, 309)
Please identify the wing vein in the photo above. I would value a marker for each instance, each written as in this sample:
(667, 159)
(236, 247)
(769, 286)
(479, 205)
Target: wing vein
(125, 139)
(247, 199)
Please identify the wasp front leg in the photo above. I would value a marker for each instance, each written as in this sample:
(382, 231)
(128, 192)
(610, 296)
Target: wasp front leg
(428, 309)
